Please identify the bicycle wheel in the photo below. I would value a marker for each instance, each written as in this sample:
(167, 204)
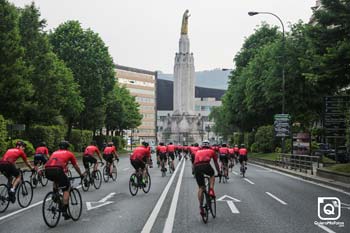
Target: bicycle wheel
(114, 172)
(4, 197)
(85, 183)
(212, 206)
(43, 180)
(97, 176)
(147, 186)
(34, 179)
(25, 194)
(51, 210)
(105, 173)
(205, 215)
(133, 184)
(75, 204)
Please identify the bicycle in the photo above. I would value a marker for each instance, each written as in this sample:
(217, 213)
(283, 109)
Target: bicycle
(52, 207)
(171, 167)
(208, 202)
(39, 176)
(243, 169)
(106, 172)
(223, 170)
(24, 191)
(163, 169)
(92, 178)
(135, 182)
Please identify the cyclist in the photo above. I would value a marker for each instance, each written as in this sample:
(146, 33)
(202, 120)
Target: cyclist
(171, 154)
(243, 155)
(202, 166)
(193, 151)
(41, 155)
(8, 166)
(109, 154)
(55, 170)
(236, 150)
(223, 152)
(161, 152)
(231, 154)
(140, 156)
(88, 156)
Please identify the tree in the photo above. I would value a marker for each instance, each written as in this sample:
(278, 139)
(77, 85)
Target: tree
(86, 55)
(14, 85)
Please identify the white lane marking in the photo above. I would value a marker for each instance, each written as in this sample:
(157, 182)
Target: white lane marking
(276, 198)
(307, 181)
(325, 228)
(249, 181)
(229, 198)
(235, 173)
(89, 205)
(21, 210)
(233, 208)
(125, 169)
(107, 197)
(152, 218)
(168, 227)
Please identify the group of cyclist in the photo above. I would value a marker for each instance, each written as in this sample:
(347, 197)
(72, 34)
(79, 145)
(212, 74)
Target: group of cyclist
(56, 165)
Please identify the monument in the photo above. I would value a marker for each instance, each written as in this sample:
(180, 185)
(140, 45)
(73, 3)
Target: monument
(183, 126)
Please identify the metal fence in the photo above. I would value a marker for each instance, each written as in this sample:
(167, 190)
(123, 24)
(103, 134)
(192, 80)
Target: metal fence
(302, 163)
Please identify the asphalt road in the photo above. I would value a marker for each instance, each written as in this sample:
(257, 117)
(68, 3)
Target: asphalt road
(266, 201)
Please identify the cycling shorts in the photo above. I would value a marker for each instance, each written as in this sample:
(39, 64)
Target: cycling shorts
(138, 164)
(8, 169)
(39, 158)
(200, 170)
(171, 155)
(243, 158)
(87, 159)
(108, 157)
(162, 157)
(57, 175)
(224, 158)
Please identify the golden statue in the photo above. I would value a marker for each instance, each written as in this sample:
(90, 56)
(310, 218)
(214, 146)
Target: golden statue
(184, 27)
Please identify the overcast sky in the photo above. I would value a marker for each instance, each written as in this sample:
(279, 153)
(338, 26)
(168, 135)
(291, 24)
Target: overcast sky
(145, 33)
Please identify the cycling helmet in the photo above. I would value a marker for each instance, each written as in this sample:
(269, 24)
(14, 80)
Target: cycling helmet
(110, 144)
(20, 143)
(242, 145)
(224, 145)
(145, 144)
(161, 144)
(196, 144)
(63, 145)
(205, 143)
(93, 142)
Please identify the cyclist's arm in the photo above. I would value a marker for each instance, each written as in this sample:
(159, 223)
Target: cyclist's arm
(25, 159)
(74, 162)
(216, 163)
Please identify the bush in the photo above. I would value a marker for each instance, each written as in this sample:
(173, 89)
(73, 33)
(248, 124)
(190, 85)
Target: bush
(264, 139)
(29, 148)
(80, 139)
(238, 138)
(254, 147)
(3, 135)
(248, 139)
(52, 135)
(119, 142)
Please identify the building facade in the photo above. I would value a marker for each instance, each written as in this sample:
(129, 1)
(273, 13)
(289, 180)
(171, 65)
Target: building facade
(141, 84)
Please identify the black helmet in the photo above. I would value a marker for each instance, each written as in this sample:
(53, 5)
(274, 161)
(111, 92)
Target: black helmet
(161, 144)
(196, 144)
(20, 143)
(63, 145)
(224, 145)
(93, 142)
(42, 144)
(145, 144)
(242, 145)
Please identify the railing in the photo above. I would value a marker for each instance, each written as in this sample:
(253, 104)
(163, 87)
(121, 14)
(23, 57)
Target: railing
(303, 163)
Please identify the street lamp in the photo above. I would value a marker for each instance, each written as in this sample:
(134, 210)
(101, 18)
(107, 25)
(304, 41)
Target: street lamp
(207, 128)
(252, 13)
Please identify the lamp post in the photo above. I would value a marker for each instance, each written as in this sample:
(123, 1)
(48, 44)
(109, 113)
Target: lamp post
(207, 128)
(252, 13)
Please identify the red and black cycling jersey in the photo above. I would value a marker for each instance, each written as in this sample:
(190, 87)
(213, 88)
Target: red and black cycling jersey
(236, 149)
(60, 159)
(204, 156)
(91, 150)
(140, 153)
(243, 151)
(231, 151)
(223, 151)
(161, 149)
(42, 150)
(13, 154)
(109, 150)
(194, 149)
(170, 148)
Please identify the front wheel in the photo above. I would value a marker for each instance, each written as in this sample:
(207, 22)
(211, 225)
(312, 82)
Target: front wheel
(4, 197)
(75, 205)
(43, 179)
(205, 215)
(34, 179)
(114, 172)
(25, 194)
(106, 173)
(212, 206)
(85, 183)
(51, 210)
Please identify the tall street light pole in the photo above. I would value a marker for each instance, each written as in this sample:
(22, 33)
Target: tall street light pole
(252, 13)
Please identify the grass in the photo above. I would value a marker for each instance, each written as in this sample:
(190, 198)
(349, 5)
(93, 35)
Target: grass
(344, 168)
(267, 156)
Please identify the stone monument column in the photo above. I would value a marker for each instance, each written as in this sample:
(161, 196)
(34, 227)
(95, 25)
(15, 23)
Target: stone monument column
(184, 73)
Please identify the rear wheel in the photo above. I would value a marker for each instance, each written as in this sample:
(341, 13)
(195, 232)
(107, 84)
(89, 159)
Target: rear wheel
(25, 194)
(85, 183)
(97, 176)
(205, 215)
(51, 210)
(133, 184)
(75, 205)
(4, 197)
(212, 206)
(147, 186)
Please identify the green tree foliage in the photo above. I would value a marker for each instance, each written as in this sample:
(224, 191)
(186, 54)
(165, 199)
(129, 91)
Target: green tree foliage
(86, 55)
(122, 111)
(3, 135)
(221, 127)
(14, 85)
(51, 135)
(80, 139)
(55, 91)
(264, 139)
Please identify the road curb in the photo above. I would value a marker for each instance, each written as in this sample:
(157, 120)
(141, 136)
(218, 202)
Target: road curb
(329, 183)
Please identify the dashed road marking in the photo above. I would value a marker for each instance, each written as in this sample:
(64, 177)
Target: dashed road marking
(325, 228)
(276, 198)
(249, 181)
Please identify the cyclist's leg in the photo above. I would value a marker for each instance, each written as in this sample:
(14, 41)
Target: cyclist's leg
(200, 182)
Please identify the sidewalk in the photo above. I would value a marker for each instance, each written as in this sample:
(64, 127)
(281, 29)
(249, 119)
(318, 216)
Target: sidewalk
(314, 178)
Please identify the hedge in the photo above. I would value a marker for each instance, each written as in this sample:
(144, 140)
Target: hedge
(80, 139)
(264, 139)
(29, 148)
(118, 141)
(3, 135)
(51, 135)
